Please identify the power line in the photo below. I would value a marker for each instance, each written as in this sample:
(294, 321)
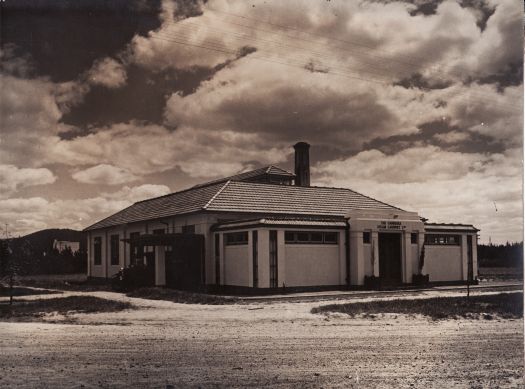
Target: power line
(480, 95)
(329, 38)
(182, 39)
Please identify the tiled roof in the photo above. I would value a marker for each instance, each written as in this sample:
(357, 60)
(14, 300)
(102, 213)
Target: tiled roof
(177, 203)
(249, 197)
(290, 199)
(263, 171)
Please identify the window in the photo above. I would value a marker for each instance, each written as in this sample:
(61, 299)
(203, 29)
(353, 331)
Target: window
(188, 229)
(413, 238)
(159, 231)
(314, 237)
(236, 238)
(330, 237)
(217, 259)
(115, 243)
(445, 240)
(97, 250)
(366, 237)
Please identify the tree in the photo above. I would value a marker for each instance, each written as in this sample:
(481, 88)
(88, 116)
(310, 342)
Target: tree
(421, 260)
(7, 267)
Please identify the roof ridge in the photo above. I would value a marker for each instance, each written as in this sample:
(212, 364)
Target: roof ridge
(216, 194)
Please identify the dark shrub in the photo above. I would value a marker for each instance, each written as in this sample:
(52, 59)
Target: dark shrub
(133, 277)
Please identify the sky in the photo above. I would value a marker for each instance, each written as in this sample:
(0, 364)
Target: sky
(416, 103)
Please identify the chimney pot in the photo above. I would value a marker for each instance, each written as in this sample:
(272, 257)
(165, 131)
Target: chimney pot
(302, 164)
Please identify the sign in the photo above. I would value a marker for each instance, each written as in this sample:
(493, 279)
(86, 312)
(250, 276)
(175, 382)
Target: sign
(390, 225)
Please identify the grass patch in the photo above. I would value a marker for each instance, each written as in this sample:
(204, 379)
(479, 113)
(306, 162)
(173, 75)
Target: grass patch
(70, 285)
(23, 291)
(500, 273)
(183, 297)
(505, 305)
(28, 309)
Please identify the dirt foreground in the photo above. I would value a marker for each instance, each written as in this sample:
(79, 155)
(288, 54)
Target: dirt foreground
(164, 344)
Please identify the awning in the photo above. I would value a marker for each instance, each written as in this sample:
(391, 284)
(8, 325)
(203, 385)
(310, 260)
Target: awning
(336, 223)
(163, 239)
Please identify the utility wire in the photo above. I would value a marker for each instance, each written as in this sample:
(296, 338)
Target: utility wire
(184, 39)
(489, 100)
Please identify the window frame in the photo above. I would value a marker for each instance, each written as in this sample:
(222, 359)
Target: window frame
(292, 237)
(437, 239)
(237, 238)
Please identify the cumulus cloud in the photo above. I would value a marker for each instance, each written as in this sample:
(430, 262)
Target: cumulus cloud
(440, 185)
(331, 73)
(107, 72)
(104, 174)
(144, 149)
(14, 178)
(24, 215)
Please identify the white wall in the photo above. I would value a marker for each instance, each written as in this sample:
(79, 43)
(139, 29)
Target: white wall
(202, 224)
(236, 265)
(443, 263)
(311, 265)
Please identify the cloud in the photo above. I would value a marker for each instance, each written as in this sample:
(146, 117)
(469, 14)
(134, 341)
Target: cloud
(452, 136)
(155, 149)
(440, 185)
(107, 72)
(24, 215)
(14, 178)
(282, 107)
(104, 174)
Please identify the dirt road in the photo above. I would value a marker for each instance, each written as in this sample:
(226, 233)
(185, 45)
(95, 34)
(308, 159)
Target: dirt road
(280, 344)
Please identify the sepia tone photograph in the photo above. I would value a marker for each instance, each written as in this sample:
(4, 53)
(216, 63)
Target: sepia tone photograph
(261, 193)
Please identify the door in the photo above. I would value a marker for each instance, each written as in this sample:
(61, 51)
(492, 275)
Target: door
(184, 264)
(390, 258)
(274, 282)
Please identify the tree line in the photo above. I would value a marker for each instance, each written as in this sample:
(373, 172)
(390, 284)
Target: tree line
(501, 255)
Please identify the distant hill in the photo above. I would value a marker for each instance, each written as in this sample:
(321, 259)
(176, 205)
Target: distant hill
(42, 241)
(35, 252)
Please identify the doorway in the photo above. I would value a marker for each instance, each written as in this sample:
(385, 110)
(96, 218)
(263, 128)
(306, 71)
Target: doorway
(390, 258)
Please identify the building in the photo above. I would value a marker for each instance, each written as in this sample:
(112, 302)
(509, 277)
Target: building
(268, 228)
(62, 245)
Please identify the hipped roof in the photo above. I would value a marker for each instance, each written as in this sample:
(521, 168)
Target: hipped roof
(247, 197)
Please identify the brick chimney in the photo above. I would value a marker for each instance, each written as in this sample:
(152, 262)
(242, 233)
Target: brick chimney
(302, 164)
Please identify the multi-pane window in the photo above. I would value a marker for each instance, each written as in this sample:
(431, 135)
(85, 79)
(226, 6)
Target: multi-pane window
(114, 247)
(236, 238)
(188, 229)
(413, 237)
(310, 237)
(366, 237)
(97, 250)
(159, 231)
(441, 239)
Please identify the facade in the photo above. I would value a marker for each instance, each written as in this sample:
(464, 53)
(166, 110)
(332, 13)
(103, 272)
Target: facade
(269, 228)
(62, 245)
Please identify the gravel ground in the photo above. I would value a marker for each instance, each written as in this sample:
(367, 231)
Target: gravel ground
(278, 344)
